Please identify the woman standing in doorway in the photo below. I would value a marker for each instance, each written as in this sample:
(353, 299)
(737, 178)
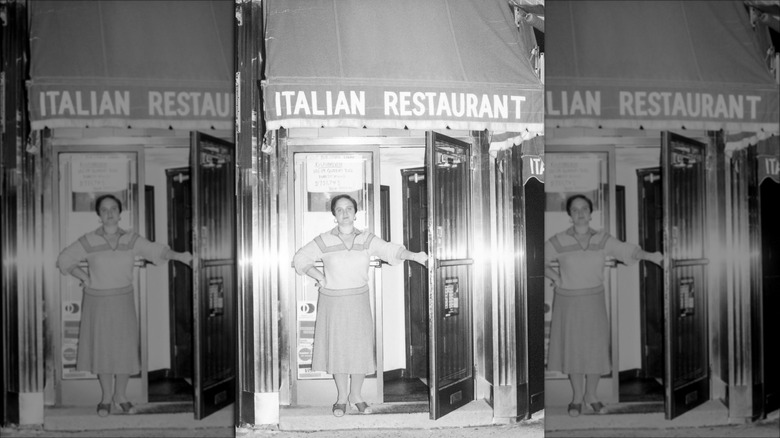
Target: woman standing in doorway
(344, 331)
(579, 333)
(108, 335)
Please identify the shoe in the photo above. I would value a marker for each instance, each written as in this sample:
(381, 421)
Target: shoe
(125, 408)
(362, 407)
(575, 409)
(103, 409)
(339, 409)
(598, 407)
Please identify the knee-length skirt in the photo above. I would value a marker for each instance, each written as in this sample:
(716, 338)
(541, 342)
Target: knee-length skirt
(579, 332)
(108, 334)
(344, 332)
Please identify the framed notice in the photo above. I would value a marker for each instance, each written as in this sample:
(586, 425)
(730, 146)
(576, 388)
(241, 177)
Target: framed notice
(571, 173)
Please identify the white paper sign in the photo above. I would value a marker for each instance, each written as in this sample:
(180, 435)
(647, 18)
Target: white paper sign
(99, 174)
(570, 173)
(334, 173)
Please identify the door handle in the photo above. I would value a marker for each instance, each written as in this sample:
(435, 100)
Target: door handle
(677, 263)
(454, 262)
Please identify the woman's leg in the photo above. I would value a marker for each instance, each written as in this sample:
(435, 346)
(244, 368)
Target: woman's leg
(120, 388)
(577, 380)
(356, 387)
(342, 385)
(106, 385)
(591, 384)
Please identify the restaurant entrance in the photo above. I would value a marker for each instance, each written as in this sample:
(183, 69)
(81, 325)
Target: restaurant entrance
(413, 362)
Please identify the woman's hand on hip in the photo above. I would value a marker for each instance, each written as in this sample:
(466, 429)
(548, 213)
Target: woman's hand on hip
(320, 283)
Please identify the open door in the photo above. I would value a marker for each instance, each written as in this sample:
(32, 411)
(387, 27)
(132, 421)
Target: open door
(686, 377)
(416, 278)
(213, 272)
(451, 378)
(651, 278)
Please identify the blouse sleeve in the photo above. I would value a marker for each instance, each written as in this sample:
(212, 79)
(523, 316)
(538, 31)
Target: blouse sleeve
(70, 257)
(550, 254)
(389, 252)
(306, 256)
(156, 253)
(627, 253)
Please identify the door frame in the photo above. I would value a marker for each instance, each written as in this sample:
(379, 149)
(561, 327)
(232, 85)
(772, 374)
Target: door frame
(288, 147)
(52, 295)
(560, 382)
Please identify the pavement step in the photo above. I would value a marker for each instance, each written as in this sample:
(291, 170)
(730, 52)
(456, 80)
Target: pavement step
(150, 416)
(711, 413)
(387, 416)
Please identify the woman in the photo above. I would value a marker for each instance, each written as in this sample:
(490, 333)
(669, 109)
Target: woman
(344, 331)
(579, 334)
(108, 334)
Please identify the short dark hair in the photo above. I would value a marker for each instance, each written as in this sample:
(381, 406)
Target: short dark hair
(100, 199)
(336, 199)
(572, 198)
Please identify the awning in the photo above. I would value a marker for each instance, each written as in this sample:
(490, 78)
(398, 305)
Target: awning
(441, 64)
(140, 64)
(657, 65)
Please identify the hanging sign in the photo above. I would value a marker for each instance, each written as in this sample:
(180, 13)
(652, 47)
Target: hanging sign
(533, 167)
(571, 173)
(768, 167)
(334, 173)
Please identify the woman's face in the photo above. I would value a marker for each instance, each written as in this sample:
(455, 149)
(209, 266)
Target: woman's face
(580, 212)
(109, 212)
(345, 212)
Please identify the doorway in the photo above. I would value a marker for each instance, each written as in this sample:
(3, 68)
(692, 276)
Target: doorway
(645, 384)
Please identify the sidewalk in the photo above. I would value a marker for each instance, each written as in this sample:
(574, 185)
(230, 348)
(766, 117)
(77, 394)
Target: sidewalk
(473, 420)
(708, 420)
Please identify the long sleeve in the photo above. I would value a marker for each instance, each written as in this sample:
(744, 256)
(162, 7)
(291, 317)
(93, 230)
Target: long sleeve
(70, 257)
(306, 256)
(389, 252)
(627, 253)
(156, 253)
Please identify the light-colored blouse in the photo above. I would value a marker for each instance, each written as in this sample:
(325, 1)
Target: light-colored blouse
(582, 266)
(110, 266)
(345, 268)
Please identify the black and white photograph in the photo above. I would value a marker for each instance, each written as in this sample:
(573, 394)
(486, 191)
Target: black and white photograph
(405, 218)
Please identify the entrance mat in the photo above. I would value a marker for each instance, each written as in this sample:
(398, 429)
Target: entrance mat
(164, 408)
(631, 408)
(397, 408)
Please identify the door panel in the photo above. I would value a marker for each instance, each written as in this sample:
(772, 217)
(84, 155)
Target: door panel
(214, 272)
(685, 308)
(769, 193)
(180, 277)
(651, 275)
(449, 274)
(416, 278)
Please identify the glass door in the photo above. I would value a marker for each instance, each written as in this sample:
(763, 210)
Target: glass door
(318, 175)
(83, 173)
(589, 171)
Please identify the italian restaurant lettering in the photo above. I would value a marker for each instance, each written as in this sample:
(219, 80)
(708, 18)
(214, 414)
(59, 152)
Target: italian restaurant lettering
(286, 102)
(132, 103)
(660, 104)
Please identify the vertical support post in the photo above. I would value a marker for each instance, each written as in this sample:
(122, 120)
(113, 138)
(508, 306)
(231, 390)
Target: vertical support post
(257, 242)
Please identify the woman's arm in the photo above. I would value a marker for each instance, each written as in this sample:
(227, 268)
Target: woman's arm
(419, 257)
(655, 257)
(550, 256)
(184, 257)
(552, 274)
